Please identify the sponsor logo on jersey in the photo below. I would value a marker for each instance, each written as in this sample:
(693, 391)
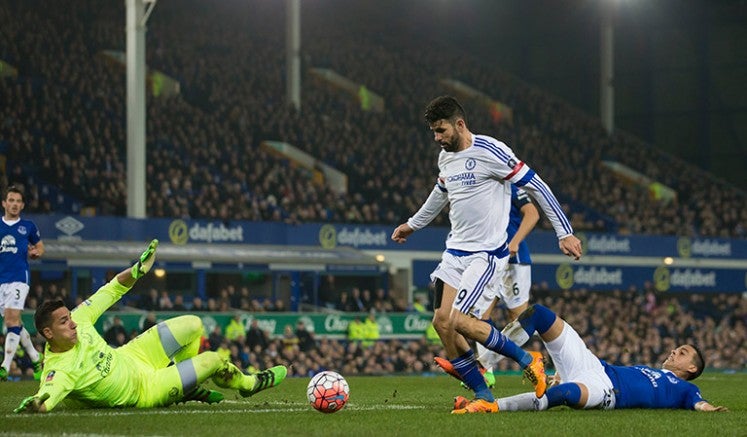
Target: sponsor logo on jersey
(651, 374)
(8, 244)
(22, 230)
(466, 178)
(104, 364)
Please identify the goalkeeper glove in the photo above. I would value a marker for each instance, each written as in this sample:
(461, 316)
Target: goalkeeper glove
(146, 261)
(32, 404)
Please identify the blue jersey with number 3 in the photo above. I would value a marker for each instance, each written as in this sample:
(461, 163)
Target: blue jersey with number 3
(646, 387)
(14, 248)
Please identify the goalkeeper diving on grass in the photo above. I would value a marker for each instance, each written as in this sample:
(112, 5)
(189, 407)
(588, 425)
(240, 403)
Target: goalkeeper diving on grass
(81, 367)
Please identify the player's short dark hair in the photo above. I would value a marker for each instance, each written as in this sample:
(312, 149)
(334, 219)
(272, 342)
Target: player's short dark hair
(14, 189)
(699, 362)
(444, 108)
(43, 314)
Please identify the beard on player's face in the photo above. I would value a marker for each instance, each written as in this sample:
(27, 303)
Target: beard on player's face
(451, 144)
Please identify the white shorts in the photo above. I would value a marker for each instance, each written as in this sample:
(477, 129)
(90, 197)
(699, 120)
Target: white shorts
(13, 295)
(575, 363)
(476, 277)
(516, 285)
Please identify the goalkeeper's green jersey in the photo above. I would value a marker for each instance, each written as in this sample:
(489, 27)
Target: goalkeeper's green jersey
(92, 372)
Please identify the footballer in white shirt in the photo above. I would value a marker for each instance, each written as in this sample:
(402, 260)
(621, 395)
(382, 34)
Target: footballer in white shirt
(475, 177)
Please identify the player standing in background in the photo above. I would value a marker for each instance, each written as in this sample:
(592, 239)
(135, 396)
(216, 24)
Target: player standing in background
(80, 364)
(475, 177)
(584, 381)
(20, 241)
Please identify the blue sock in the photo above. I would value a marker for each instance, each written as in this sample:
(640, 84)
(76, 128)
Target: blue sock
(497, 342)
(563, 394)
(15, 329)
(466, 366)
(537, 318)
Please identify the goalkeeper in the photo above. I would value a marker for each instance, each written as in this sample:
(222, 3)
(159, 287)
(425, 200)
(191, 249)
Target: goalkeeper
(79, 365)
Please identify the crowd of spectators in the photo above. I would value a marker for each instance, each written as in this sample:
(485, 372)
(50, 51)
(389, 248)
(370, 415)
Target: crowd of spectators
(622, 327)
(64, 133)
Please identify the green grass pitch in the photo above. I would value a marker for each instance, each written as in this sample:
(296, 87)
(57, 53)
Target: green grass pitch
(379, 406)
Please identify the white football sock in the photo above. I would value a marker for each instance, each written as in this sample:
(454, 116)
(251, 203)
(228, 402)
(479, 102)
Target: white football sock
(11, 344)
(29, 346)
(522, 402)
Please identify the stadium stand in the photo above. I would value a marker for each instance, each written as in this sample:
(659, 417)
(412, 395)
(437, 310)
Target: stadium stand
(62, 132)
(204, 158)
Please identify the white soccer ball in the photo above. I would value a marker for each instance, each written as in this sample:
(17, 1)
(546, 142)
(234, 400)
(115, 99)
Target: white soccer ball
(328, 391)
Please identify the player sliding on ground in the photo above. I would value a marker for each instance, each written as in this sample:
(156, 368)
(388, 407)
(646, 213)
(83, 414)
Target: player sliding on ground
(80, 366)
(584, 381)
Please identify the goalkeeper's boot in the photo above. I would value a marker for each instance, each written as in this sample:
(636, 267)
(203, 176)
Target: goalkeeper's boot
(266, 379)
(535, 373)
(38, 367)
(449, 368)
(3, 374)
(201, 394)
(478, 406)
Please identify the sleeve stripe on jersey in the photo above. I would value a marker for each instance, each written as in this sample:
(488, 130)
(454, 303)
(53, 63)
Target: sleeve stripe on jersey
(442, 188)
(524, 180)
(542, 188)
(516, 169)
(502, 155)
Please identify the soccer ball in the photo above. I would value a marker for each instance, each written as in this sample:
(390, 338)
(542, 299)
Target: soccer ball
(328, 391)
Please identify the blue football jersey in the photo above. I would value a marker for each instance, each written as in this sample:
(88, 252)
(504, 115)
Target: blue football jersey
(519, 198)
(646, 387)
(14, 249)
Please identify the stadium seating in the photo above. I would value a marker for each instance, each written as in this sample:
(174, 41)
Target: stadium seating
(67, 105)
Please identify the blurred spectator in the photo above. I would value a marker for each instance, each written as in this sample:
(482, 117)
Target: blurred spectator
(256, 337)
(116, 335)
(150, 321)
(216, 337)
(235, 329)
(306, 340)
(290, 340)
(164, 302)
(197, 304)
(151, 302)
(178, 303)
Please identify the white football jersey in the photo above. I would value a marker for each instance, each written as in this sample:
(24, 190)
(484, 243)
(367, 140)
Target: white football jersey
(477, 183)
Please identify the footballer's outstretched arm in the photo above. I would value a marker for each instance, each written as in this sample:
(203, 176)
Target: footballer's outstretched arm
(112, 291)
(706, 406)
